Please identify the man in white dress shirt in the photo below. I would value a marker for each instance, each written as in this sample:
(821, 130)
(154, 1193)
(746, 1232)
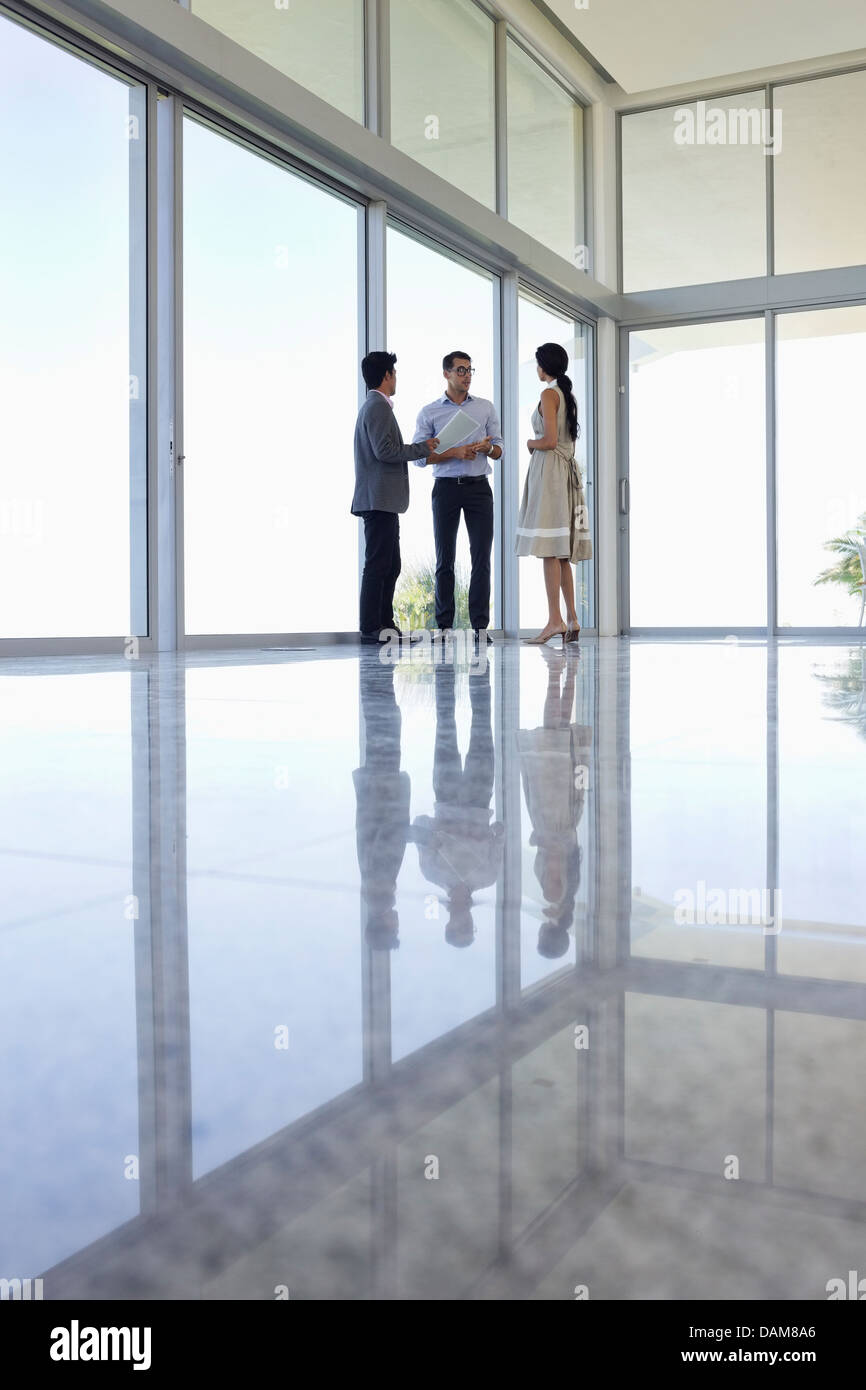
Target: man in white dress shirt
(461, 486)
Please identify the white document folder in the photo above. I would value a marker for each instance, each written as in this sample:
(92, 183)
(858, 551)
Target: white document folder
(460, 429)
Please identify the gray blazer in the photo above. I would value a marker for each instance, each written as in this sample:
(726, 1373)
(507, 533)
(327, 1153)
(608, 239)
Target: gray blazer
(381, 475)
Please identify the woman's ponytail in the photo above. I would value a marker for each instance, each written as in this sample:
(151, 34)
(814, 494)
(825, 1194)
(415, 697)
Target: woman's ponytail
(564, 384)
(552, 358)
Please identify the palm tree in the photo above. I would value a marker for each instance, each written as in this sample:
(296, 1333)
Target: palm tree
(850, 568)
(414, 604)
(845, 691)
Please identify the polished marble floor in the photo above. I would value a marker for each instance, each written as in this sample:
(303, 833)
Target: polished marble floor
(530, 976)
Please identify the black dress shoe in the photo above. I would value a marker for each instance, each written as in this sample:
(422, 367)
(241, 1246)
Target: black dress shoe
(370, 639)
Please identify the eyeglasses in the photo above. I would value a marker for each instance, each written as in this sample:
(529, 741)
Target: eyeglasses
(463, 371)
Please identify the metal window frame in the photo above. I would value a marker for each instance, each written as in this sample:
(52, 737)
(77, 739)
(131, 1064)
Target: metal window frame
(768, 88)
(370, 273)
(116, 42)
(769, 296)
(772, 628)
(51, 31)
(582, 113)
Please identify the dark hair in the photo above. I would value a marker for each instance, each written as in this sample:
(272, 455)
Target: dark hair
(553, 359)
(376, 366)
(448, 359)
(553, 940)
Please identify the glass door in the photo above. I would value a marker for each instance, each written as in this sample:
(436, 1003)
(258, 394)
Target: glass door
(73, 342)
(437, 304)
(696, 491)
(270, 395)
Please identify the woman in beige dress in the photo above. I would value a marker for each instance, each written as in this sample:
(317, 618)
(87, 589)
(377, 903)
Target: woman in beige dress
(554, 762)
(553, 521)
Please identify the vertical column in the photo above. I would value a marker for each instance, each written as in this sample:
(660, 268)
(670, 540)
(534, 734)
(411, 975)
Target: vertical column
(508, 811)
(508, 893)
(143, 936)
(161, 958)
(165, 359)
(509, 616)
(139, 138)
(613, 857)
(501, 115)
(377, 67)
(374, 303)
(773, 893)
(604, 260)
(376, 265)
(770, 451)
(375, 965)
(500, 557)
(170, 949)
(584, 201)
(612, 535)
(603, 170)
(588, 572)
(612, 886)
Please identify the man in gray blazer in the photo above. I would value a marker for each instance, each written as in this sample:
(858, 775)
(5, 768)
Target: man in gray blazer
(381, 491)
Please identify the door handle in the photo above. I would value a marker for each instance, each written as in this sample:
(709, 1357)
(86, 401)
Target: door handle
(623, 496)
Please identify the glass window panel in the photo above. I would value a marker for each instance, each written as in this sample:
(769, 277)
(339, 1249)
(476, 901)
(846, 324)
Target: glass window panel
(821, 466)
(271, 362)
(694, 213)
(822, 767)
(73, 523)
(697, 474)
(436, 305)
(443, 91)
(693, 757)
(69, 1085)
(319, 46)
(273, 912)
(545, 158)
(819, 189)
(537, 324)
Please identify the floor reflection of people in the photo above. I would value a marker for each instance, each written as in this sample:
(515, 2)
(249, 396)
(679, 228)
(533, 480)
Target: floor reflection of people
(554, 762)
(382, 793)
(458, 847)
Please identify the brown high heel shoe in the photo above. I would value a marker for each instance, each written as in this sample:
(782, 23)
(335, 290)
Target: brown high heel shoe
(572, 633)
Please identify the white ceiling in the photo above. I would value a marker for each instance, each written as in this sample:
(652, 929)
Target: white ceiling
(646, 44)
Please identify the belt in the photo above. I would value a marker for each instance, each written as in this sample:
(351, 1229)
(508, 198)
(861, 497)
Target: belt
(465, 478)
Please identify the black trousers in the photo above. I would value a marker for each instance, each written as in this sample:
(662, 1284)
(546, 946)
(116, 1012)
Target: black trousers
(475, 501)
(381, 570)
(470, 784)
